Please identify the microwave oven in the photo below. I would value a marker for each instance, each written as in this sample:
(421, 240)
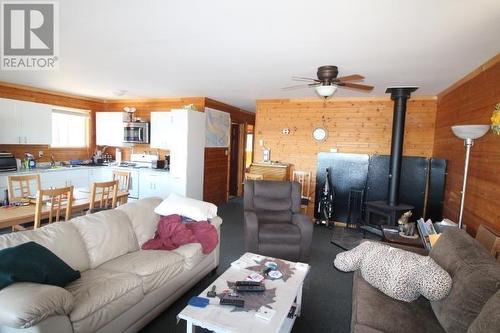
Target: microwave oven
(136, 132)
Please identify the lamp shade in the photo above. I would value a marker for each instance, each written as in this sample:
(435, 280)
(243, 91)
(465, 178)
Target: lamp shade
(326, 91)
(470, 131)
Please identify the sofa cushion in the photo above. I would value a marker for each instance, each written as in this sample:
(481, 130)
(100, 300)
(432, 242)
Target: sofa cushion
(373, 311)
(489, 317)
(191, 253)
(475, 274)
(144, 219)
(62, 238)
(154, 267)
(278, 233)
(26, 304)
(106, 235)
(101, 296)
(31, 262)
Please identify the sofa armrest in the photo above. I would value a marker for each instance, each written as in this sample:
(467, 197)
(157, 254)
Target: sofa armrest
(26, 304)
(251, 232)
(305, 225)
(216, 222)
(417, 250)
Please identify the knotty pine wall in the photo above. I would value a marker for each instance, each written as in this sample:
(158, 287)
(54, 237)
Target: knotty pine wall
(471, 101)
(357, 125)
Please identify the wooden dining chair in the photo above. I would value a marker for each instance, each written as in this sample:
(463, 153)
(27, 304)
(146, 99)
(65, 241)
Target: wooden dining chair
(108, 192)
(253, 176)
(58, 199)
(123, 178)
(19, 187)
(304, 179)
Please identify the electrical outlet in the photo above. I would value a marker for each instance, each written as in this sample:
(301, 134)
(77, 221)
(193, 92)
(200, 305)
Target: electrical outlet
(333, 150)
(40, 153)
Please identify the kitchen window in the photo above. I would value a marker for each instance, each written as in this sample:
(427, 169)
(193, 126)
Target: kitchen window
(70, 128)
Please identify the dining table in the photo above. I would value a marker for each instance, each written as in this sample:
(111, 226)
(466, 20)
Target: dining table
(14, 215)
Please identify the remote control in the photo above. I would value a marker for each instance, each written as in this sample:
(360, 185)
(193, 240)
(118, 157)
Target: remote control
(212, 292)
(231, 300)
(247, 283)
(250, 288)
(291, 313)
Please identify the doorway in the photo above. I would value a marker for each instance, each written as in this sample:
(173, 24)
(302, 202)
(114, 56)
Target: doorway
(234, 159)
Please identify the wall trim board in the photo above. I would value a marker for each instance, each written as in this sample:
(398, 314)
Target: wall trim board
(332, 100)
(49, 92)
(484, 67)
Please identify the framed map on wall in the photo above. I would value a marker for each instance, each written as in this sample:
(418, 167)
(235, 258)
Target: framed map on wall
(218, 125)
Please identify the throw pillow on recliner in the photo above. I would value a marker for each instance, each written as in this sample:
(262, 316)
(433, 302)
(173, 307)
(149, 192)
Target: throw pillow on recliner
(397, 273)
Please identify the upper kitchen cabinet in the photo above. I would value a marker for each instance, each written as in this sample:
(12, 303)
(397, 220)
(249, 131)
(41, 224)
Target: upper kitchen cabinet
(25, 122)
(109, 129)
(161, 130)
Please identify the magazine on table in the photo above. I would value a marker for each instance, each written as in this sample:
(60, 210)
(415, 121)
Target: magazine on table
(429, 230)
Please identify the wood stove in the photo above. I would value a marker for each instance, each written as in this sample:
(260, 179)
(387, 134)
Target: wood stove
(388, 212)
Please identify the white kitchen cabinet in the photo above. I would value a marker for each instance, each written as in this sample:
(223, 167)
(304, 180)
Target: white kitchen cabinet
(95, 175)
(36, 123)
(77, 178)
(25, 122)
(161, 130)
(152, 184)
(109, 129)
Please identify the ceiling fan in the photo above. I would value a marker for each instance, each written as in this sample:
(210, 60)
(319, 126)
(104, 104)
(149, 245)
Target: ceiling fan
(327, 82)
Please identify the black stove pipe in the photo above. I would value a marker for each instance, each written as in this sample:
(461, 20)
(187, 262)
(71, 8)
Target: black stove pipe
(399, 95)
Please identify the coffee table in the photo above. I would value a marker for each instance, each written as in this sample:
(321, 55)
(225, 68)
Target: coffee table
(280, 295)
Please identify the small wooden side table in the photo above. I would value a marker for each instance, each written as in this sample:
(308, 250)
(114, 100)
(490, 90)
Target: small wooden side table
(391, 235)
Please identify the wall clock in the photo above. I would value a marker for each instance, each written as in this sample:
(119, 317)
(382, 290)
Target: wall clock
(320, 134)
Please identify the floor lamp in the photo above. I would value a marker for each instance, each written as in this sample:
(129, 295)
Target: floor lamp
(468, 133)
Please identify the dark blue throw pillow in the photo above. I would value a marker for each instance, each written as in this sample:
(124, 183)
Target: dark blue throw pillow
(31, 262)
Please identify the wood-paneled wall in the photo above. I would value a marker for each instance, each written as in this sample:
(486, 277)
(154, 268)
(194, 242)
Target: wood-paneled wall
(471, 101)
(57, 99)
(215, 187)
(361, 125)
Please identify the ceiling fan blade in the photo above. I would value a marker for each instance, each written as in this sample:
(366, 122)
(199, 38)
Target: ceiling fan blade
(353, 77)
(299, 78)
(355, 86)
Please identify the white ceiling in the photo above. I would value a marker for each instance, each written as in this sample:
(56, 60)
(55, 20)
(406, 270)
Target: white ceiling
(237, 52)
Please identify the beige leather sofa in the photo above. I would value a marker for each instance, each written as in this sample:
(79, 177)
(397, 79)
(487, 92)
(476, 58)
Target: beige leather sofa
(121, 289)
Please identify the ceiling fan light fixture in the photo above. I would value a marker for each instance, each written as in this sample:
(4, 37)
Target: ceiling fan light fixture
(326, 91)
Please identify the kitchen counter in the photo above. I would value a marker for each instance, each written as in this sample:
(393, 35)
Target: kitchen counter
(144, 182)
(79, 167)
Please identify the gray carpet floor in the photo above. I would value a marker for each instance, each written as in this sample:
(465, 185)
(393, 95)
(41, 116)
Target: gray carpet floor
(326, 304)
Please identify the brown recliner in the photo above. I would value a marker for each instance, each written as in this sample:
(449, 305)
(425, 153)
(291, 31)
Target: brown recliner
(274, 225)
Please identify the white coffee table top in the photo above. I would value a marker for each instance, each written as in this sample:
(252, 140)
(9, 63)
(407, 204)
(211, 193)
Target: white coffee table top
(222, 318)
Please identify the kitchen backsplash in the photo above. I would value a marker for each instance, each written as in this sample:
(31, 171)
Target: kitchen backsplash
(60, 154)
(65, 154)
